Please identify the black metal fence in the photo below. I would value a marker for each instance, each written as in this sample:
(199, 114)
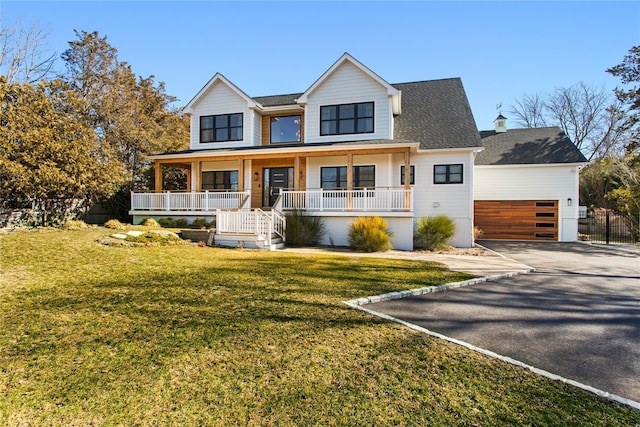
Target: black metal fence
(608, 227)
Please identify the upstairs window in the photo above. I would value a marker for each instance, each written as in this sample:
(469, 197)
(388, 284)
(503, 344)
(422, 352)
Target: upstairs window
(346, 119)
(223, 127)
(285, 129)
(447, 174)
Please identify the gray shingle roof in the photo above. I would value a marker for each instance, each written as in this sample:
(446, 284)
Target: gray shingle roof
(275, 100)
(528, 146)
(437, 114)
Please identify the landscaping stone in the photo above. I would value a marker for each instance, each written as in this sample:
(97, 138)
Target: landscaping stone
(119, 236)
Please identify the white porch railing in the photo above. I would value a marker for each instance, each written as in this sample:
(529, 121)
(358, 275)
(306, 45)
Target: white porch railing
(206, 201)
(365, 199)
(251, 221)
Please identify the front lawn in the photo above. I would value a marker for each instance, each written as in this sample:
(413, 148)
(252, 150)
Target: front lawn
(192, 336)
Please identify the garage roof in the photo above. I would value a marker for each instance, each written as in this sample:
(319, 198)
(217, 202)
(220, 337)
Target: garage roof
(548, 145)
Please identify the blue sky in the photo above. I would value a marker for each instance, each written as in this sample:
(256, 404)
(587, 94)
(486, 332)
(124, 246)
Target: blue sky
(499, 49)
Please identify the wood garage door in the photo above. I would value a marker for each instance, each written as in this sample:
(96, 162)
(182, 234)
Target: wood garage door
(517, 219)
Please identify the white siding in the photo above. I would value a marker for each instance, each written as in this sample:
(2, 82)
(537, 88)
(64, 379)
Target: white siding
(453, 200)
(220, 99)
(338, 231)
(540, 182)
(348, 85)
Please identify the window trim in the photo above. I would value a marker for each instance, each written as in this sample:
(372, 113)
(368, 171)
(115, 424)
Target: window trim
(447, 174)
(214, 129)
(412, 174)
(337, 120)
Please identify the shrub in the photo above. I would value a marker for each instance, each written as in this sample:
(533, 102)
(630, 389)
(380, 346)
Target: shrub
(150, 222)
(434, 232)
(201, 223)
(370, 234)
(114, 224)
(74, 224)
(303, 229)
(153, 239)
(173, 223)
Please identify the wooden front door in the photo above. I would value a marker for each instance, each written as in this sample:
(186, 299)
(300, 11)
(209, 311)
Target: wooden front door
(274, 180)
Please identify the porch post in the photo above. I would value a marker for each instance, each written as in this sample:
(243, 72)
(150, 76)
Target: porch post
(349, 180)
(296, 173)
(189, 178)
(158, 177)
(241, 175)
(407, 180)
(197, 168)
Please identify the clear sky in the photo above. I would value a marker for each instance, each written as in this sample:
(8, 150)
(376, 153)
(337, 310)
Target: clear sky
(499, 49)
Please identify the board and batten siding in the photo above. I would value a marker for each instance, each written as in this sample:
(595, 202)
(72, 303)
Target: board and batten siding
(346, 85)
(220, 99)
(534, 182)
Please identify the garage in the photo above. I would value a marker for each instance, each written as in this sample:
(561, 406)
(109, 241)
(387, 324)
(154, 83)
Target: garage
(517, 219)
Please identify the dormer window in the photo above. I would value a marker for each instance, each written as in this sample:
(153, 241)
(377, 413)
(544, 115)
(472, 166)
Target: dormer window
(223, 127)
(346, 119)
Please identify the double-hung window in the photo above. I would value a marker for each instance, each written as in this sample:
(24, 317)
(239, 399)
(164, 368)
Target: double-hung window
(346, 119)
(412, 175)
(223, 127)
(447, 174)
(220, 180)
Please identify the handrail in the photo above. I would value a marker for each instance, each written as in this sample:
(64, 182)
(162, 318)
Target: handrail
(206, 201)
(396, 199)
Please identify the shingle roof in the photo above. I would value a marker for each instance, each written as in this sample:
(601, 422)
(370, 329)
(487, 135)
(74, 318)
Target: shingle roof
(528, 146)
(436, 113)
(274, 100)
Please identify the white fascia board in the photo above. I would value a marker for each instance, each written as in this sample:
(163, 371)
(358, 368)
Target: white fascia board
(535, 165)
(391, 91)
(445, 150)
(282, 108)
(219, 77)
(288, 150)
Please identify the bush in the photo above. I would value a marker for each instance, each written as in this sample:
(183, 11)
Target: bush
(370, 234)
(201, 223)
(434, 232)
(74, 224)
(114, 224)
(150, 222)
(173, 223)
(303, 229)
(153, 239)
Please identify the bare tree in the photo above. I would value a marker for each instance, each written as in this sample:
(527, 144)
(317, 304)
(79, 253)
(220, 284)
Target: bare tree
(589, 115)
(24, 57)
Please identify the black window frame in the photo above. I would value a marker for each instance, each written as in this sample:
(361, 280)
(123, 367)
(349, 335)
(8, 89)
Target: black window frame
(222, 180)
(339, 171)
(412, 175)
(299, 116)
(449, 176)
(341, 117)
(228, 129)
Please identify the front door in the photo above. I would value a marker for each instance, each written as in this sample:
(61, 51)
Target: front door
(275, 179)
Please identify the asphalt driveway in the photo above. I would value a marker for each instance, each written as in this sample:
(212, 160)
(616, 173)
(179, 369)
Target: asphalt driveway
(577, 316)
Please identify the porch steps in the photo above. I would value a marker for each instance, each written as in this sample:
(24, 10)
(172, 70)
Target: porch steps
(247, 240)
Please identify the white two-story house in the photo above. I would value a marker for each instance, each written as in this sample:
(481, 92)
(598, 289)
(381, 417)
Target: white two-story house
(351, 145)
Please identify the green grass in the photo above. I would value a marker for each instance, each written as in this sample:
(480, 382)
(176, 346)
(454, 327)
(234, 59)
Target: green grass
(191, 336)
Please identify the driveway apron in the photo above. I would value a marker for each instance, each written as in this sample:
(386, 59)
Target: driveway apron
(577, 315)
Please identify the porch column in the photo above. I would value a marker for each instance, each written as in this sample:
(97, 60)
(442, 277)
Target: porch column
(197, 175)
(158, 177)
(349, 181)
(296, 173)
(241, 175)
(189, 178)
(407, 179)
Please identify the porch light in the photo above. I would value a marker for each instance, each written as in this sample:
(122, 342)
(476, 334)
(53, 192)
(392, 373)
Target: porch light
(255, 176)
